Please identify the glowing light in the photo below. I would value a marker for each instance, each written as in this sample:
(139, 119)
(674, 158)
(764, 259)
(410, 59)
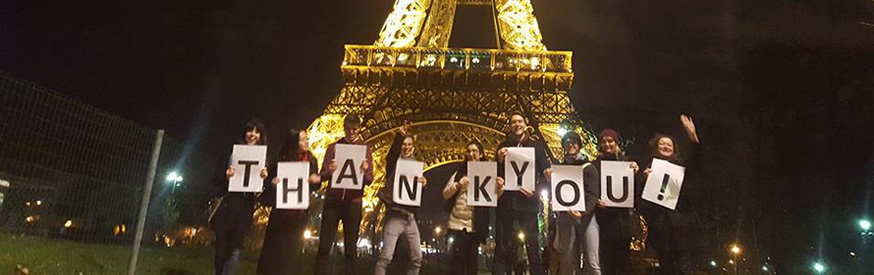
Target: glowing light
(764, 268)
(865, 225)
(544, 194)
(713, 263)
(521, 236)
(68, 224)
(363, 243)
(437, 230)
(27, 203)
(731, 261)
(735, 249)
(561, 131)
(819, 267)
(30, 219)
(38, 202)
(308, 234)
(174, 177)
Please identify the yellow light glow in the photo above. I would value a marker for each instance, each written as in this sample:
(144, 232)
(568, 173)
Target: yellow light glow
(521, 236)
(38, 202)
(438, 230)
(735, 249)
(307, 234)
(68, 224)
(30, 219)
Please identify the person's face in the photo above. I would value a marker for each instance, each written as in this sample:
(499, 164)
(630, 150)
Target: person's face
(473, 153)
(253, 136)
(609, 145)
(665, 147)
(517, 124)
(571, 148)
(351, 130)
(407, 147)
(303, 143)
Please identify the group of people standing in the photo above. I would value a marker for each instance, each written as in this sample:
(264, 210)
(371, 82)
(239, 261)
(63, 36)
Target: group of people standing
(596, 241)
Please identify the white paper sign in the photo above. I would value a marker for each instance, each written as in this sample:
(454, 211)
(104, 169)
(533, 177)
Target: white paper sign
(293, 190)
(482, 190)
(407, 189)
(519, 168)
(348, 174)
(568, 188)
(664, 183)
(617, 184)
(247, 160)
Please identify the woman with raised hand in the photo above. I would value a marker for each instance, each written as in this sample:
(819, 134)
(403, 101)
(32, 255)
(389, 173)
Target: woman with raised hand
(671, 232)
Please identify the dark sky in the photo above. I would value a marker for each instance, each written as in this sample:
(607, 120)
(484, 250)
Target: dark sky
(782, 89)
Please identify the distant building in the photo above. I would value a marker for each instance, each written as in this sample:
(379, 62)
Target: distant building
(68, 169)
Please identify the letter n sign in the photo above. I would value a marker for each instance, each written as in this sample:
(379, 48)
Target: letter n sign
(567, 188)
(407, 190)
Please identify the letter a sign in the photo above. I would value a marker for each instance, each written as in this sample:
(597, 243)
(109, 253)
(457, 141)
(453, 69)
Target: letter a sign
(407, 190)
(348, 174)
(664, 183)
(567, 187)
(247, 161)
(519, 168)
(617, 184)
(293, 190)
(482, 190)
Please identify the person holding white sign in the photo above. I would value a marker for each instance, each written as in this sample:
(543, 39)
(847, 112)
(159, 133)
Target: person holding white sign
(519, 206)
(671, 231)
(617, 225)
(400, 219)
(468, 225)
(343, 204)
(231, 216)
(283, 241)
(576, 232)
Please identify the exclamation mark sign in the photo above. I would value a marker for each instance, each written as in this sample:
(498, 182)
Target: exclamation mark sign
(665, 180)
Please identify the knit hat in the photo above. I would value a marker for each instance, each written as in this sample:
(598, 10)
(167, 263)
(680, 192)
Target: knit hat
(609, 133)
(572, 137)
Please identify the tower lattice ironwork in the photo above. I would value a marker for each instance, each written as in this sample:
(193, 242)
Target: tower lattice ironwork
(451, 95)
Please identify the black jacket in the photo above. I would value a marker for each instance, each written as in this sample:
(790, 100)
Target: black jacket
(386, 193)
(616, 223)
(515, 200)
(268, 197)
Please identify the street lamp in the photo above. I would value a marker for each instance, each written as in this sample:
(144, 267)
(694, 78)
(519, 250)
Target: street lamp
(176, 178)
(735, 249)
(819, 267)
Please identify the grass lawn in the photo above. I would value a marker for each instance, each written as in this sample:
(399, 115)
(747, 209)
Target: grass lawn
(53, 256)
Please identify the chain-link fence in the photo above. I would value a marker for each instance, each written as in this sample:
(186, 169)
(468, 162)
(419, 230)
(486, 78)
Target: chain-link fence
(71, 181)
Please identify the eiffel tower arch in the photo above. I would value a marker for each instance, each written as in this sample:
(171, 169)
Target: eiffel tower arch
(450, 95)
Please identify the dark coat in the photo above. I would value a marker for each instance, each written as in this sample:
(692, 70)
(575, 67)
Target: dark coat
(284, 230)
(616, 223)
(684, 215)
(592, 188)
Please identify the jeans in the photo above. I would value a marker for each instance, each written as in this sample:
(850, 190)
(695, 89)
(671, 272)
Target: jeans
(394, 228)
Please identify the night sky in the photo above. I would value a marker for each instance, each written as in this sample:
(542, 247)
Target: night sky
(782, 90)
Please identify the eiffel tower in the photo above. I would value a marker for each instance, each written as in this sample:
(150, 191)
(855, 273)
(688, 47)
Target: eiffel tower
(450, 95)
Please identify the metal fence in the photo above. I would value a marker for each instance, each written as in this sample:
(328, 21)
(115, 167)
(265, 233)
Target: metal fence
(72, 175)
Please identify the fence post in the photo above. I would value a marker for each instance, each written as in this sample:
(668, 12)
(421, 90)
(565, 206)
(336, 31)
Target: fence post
(144, 206)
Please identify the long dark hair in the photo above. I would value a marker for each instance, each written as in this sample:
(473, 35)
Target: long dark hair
(256, 125)
(654, 147)
(290, 149)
